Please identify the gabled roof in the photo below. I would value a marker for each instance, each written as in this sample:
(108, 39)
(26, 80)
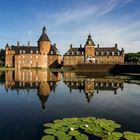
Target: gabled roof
(44, 36)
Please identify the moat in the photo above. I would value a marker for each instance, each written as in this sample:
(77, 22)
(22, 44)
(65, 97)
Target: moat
(29, 98)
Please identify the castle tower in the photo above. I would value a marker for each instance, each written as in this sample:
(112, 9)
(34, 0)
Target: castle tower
(90, 50)
(44, 42)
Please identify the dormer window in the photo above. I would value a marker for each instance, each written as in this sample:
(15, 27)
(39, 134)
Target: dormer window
(118, 53)
(102, 53)
(112, 53)
(31, 51)
(51, 52)
(36, 51)
(96, 53)
(107, 53)
(20, 51)
(23, 51)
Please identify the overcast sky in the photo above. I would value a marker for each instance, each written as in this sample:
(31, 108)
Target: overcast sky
(70, 22)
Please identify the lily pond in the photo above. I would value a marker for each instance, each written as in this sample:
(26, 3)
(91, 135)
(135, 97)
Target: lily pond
(35, 103)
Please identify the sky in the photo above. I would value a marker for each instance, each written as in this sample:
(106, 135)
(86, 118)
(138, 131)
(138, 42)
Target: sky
(70, 22)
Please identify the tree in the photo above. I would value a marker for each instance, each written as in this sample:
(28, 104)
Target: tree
(132, 57)
(2, 56)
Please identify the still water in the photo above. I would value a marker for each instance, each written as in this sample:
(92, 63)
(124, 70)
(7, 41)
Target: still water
(30, 98)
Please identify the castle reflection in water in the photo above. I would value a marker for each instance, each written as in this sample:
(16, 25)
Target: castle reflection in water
(45, 82)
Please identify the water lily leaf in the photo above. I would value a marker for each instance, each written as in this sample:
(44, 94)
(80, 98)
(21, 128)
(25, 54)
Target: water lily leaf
(50, 131)
(48, 137)
(62, 136)
(74, 133)
(131, 135)
(56, 126)
(64, 129)
(47, 124)
(117, 135)
(81, 137)
(58, 121)
(113, 136)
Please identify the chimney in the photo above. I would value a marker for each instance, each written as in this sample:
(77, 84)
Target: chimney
(54, 44)
(18, 44)
(80, 45)
(116, 45)
(28, 44)
(97, 45)
(70, 46)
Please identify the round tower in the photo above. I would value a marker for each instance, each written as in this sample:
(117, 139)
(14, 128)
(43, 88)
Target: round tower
(44, 42)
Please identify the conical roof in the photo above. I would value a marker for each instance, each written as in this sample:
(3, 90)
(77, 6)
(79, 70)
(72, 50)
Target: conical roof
(44, 36)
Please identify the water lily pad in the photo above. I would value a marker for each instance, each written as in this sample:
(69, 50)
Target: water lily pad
(50, 131)
(74, 133)
(131, 135)
(47, 124)
(81, 137)
(113, 136)
(48, 137)
(62, 136)
(64, 129)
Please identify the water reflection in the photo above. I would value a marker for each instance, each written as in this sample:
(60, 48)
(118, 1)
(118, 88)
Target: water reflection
(43, 81)
(90, 85)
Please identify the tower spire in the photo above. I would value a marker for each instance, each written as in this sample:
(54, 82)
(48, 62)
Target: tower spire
(44, 30)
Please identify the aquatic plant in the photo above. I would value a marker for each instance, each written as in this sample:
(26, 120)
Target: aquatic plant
(84, 128)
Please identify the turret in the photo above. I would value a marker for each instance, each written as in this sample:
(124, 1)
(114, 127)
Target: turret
(89, 41)
(44, 42)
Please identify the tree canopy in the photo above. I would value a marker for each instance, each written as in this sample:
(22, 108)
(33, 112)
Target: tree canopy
(132, 57)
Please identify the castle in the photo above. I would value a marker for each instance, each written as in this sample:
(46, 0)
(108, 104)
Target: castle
(42, 56)
(91, 54)
(46, 55)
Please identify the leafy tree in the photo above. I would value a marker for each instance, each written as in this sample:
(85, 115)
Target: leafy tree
(2, 56)
(132, 57)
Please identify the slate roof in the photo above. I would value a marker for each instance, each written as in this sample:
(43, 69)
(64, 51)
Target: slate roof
(75, 51)
(44, 36)
(100, 51)
(33, 49)
(89, 41)
(53, 50)
(27, 49)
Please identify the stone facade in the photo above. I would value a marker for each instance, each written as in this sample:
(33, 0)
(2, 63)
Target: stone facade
(91, 54)
(42, 56)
